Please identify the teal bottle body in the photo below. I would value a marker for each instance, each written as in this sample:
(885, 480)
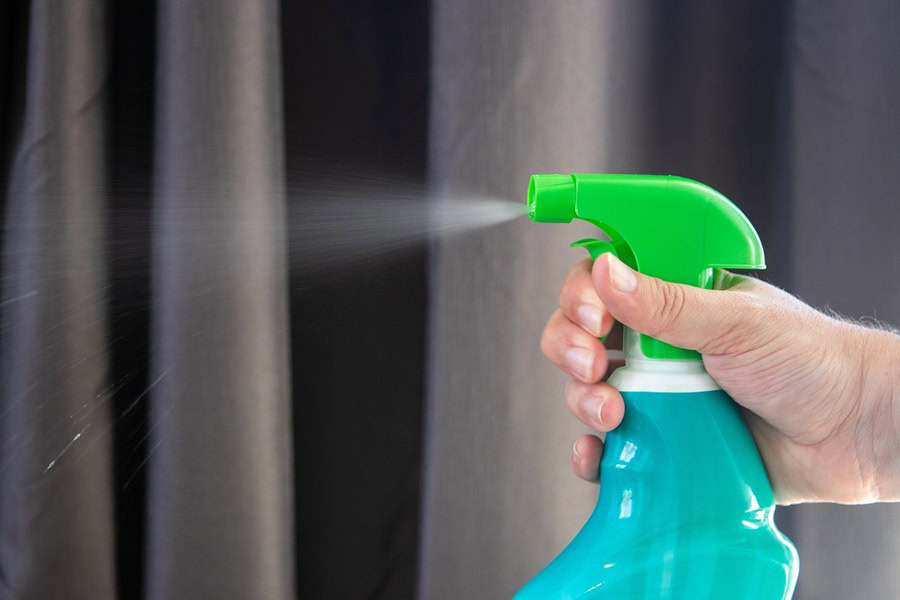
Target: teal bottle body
(685, 508)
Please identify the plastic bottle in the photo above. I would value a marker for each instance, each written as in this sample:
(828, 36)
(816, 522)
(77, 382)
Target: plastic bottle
(685, 508)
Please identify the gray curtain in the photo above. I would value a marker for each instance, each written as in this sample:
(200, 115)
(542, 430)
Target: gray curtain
(55, 461)
(790, 110)
(219, 507)
(220, 476)
(154, 229)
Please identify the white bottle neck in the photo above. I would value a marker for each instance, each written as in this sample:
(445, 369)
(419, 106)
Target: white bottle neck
(644, 374)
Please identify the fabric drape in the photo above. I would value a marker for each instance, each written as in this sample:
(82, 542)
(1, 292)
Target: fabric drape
(162, 366)
(56, 505)
(220, 461)
(218, 442)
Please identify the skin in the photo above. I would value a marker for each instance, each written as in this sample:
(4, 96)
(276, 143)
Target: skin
(821, 395)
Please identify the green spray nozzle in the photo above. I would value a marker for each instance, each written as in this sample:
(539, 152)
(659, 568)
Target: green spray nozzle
(669, 227)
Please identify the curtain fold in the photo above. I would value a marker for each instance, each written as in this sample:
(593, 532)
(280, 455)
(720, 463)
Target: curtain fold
(517, 88)
(56, 505)
(166, 242)
(217, 446)
(220, 481)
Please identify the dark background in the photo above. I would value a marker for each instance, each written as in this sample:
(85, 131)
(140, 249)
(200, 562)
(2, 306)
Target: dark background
(356, 100)
(355, 94)
(790, 108)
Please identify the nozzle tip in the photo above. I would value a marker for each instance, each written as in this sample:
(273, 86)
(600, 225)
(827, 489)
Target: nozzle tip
(551, 198)
(531, 198)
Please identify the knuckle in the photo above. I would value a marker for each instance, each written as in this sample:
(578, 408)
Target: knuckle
(572, 289)
(747, 311)
(564, 294)
(669, 307)
(552, 334)
(574, 397)
(576, 463)
(572, 405)
(546, 339)
(565, 291)
(741, 318)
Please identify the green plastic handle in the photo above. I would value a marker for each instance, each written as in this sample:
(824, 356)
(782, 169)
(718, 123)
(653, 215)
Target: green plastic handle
(595, 247)
(668, 227)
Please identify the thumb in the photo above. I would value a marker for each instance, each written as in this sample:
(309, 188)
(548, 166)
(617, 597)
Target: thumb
(709, 321)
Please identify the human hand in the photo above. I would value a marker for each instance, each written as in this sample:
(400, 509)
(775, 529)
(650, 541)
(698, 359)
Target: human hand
(818, 392)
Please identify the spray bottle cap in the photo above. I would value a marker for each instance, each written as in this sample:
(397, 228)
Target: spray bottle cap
(669, 227)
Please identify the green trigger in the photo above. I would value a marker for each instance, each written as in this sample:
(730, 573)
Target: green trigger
(595, 248)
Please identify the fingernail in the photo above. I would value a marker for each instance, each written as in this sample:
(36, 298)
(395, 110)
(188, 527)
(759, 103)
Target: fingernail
(592, 406)
(581, 361)
(621, 276)
(590, 316)
(575, 450)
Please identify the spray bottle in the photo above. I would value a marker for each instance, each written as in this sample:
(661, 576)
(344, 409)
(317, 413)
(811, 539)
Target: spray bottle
(685, 508)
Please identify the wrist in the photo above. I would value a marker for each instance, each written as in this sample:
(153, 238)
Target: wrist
(879, 439)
